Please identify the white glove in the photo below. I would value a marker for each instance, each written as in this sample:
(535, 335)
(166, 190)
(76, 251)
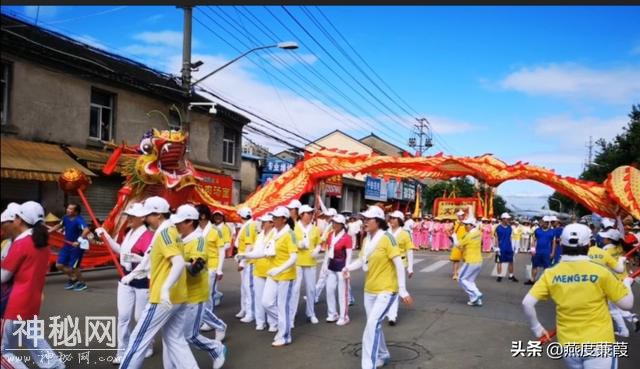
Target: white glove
(274, 272)
(165, 298)
(624, 259)
(135, 258)
(315, 253)
(100, 231)
(84, 243)
(538, 330)
(628, 281)
(127, 279)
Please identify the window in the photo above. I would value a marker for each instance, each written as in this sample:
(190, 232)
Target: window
(229, 146)
(101, 118)
(6, 74)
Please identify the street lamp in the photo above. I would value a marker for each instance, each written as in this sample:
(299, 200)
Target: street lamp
(559, 203)
(288, 45)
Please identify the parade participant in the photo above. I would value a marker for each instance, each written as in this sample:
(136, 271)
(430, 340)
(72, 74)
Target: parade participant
(459, 231)
(579, 289)
(446, 236)
(403, 239)
(133, 289)
(294, 215)
(215, 244)
(167, 294)
(195, 256)
(260, 274)
(525, 243)
(70, 255)
(438, 235)
(504, 247)
(338, 255)
(426, 232)
(308, 237)
(26, 267)
(384, 281)
(219, 223)
(541, 248)
(354, 228)
(322, 278)
(516, 236)
(470, 245)
(247, 235)
(203, 222)
(487, 235)
(557, 227)
(408, 225)
(8, 229)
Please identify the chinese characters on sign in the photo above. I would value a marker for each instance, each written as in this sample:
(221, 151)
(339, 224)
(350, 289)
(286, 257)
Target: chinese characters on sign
(218, 186)
(274, 167)
(333, 186)
(375, 189)
(448, 207)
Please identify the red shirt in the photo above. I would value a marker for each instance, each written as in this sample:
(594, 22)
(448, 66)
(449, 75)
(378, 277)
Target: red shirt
(29, 267)
(339, 252)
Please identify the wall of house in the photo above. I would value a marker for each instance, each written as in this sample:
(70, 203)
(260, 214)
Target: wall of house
(249, 176)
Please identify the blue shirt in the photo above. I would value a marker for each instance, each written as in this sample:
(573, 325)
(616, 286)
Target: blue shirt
(558, 247)
(73, 227)
(544, 240)
(504, 237)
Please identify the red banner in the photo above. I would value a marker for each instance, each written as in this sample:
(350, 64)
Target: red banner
(333, 186)
(448, 207)
(218, 186)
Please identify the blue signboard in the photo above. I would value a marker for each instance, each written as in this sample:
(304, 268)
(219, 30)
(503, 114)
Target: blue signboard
(275, 165)
(375, 189)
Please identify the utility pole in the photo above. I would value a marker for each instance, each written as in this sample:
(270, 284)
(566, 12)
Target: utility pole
(422, 139)
(186, 65)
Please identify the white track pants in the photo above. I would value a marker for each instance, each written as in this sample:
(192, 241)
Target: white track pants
(306, 275)
(261, 315)
(194, 314)
(247, 292)
(336, 281)
(276, 300)
(467, 280)
(619, 325)
(591, 362)
(320, 284)
(41, 353)
(175, 348)
(131, 303)
(374, 346)
(210, 317)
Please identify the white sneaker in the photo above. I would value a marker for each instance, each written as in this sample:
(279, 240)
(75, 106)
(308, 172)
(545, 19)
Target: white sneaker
(116, 360)
(206, 327)
(278, 343)
(332, 319)
(240, 314)
(247, 319)
(343, 321)
(273, 329)
(148, 353)
(260, 327)
(314, 320)
(219, 361)
(220, 335)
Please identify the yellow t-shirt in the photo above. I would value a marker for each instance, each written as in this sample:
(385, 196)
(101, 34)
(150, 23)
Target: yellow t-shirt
(215, 247)
(381, 276)
(459, 229)
(617, 251)
(166, 245)
(198, 285)
(285, 246)
(580, 290)
(247, 237)
(261, 266)
(471, 246)
(404, 244)
(516, 234)
(304, 255)
(226, 232)
(601, 257)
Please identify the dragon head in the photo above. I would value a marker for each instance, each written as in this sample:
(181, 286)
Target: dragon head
(163, 159)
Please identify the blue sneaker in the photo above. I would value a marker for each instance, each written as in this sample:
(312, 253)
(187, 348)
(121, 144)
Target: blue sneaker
(70, 284)
(80, 286)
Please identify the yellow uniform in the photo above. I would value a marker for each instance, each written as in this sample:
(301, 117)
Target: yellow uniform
(198, 285)
(516, 234)
(599, 256)
(471, 247)
(247, 237)
(226, 232)
(166, 245)
(215, 247)
(580, 290)
(381, 275)
(305, 259)
(460, 231)
(617, 251)
(285, 246)
(404, 244)
(261, 266)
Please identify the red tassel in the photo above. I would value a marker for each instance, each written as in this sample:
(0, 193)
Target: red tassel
(112, 163)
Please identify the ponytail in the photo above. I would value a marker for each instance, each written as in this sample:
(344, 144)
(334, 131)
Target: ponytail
(40, 235)
(291, 223)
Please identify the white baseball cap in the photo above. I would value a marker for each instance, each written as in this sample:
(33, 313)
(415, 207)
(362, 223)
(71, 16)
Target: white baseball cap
(266, 218)
(575, 235)
(469, 220)
(245, 213)
(185, 212)
(9, 214)
(31, 212)
(305, 209)
(553, 218)
(294, 204)
(136, 210)
(373, 212)
(612, 234)
(546, 218)
(331, 212)
(156, 204)
(397, 214)
(460, 212)
(280, 212)
(608, 222)
(505, 216)
(339, 219)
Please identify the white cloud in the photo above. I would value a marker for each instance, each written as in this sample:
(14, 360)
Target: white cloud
(575, 132)
(145, 50)
(279, 58)
(42, 12)
(167, 38)
(446, 126)
(153, 19)
(572, 81)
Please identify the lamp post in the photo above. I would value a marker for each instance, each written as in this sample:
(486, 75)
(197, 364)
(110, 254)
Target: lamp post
(559, 203)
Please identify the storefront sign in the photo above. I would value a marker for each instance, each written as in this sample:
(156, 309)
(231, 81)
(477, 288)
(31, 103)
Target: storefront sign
(375, 189)
(333, 186)
(275, 165)
(218, 186)
(448, 207)
(408, 191)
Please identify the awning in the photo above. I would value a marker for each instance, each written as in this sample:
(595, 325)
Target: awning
(26, 160)
(95, 160)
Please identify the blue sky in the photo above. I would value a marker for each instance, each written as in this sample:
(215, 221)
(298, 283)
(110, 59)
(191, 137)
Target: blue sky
(523, 83)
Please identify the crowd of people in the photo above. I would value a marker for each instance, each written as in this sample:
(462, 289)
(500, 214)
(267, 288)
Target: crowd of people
(173, 263)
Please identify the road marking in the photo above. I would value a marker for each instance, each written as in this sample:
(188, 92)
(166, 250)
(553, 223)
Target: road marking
(416, 261)
(435, 266)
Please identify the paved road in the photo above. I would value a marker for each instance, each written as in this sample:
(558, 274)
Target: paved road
(440, 332)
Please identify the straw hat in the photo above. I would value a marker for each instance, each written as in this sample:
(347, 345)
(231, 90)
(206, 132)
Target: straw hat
(51, 218)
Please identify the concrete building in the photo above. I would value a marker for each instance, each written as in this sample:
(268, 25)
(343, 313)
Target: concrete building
(65, 97)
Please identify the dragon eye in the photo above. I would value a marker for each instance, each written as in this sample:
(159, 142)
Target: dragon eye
(146, 146)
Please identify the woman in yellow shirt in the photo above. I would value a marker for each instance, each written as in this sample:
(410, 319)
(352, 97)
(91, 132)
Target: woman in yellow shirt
(384, 281)
(281, 251)
(308, 237)
(471, 247)
(405, 243)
